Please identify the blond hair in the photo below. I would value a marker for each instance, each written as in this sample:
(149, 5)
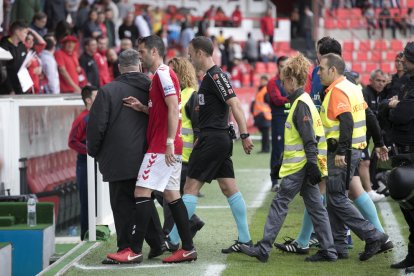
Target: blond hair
(185, 72)
(296, 67)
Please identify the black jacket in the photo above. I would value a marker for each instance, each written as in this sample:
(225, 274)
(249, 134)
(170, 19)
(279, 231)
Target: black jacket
(372, 98)
(12, 66)
(116, 135)
(88, 64)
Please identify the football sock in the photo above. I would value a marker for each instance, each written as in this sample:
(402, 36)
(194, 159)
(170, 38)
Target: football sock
(368, 210)
(307, 228)
(238, 208)
(190, 202)
(179, 213)
(142, 218)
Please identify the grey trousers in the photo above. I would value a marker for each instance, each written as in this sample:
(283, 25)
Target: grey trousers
(290, 186)
(341, 211)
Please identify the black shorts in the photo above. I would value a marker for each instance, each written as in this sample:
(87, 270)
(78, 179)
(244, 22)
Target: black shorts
(366, 155)
(211, 157)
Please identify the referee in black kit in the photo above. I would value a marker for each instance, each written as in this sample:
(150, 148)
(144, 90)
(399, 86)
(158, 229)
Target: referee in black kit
(211, 156)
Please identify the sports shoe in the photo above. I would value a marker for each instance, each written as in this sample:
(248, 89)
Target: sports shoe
(320, 256)
(292, 248)
(375, 197)
(313, 242)
(254, 251)
(373, 248)
(181, 255)
(198, 224)
(387, 246)
(343, 255)
(170, 246)
(407, 262)
(155, 252)
(235, 247)
(126, 256)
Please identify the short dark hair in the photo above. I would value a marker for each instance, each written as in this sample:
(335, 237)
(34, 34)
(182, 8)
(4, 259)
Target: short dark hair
(330, 46)
(87, 41)
(334, 60)
(50, 43)
(153, 41)
(87, 92)
(39, 16)
(17, 25)
(281, 59)
(322, 40)
(203, 43)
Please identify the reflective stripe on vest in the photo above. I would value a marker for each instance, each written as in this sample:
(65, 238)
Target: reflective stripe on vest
(356, 99)
(260, 106)
(294, 157)
(186, 128)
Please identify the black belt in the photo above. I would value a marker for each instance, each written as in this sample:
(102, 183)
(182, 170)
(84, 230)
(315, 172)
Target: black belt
(405, 149)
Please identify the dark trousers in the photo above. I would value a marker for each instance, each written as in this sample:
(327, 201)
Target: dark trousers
(265, 138)
(82, 183)
(278, 130)
(123, 208)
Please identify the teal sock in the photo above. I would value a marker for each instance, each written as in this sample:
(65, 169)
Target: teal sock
(368, 210)
(238, 208)
(307, 228)
(305, 231)
(190, 202)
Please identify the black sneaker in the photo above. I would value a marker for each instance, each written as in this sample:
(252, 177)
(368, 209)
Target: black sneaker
(320, 256)
(373, 248)
(386, 247)
(254, 251)
(155, 252)
(403, 264)
(235, 247)
(343, 255)
(196, 226)
(171, 247)
(292, 248)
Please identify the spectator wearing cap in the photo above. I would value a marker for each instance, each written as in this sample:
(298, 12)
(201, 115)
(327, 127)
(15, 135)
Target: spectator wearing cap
(14, 44)
(39, 23)
(70, 73)
(88, 63)
(49, 66)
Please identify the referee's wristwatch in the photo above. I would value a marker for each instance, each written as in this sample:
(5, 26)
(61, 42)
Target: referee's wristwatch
(244, 135)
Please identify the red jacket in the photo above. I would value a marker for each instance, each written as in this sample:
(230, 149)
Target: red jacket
(267, 25)
(77, 135)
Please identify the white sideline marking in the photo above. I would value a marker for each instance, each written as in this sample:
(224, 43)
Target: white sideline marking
(215, 269)
(119, 267)
(70, 264)
(392, 228)
(63, 240)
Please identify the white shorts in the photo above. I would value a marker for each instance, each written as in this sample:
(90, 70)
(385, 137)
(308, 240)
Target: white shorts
(154, 173)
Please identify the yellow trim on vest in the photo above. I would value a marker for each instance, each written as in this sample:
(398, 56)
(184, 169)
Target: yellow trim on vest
(186, 128)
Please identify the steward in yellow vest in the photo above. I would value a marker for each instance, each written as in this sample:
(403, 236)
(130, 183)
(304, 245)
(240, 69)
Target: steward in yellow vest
(344, 120)
(304, 162)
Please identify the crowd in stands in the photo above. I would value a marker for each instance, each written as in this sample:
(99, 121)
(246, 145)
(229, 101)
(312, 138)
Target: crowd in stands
(74, 43)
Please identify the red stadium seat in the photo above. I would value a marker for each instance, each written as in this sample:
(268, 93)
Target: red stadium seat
(282, 46)
(410, 3)
(347, 55)
(271, 68)
(330, 23)
(357, 67)
(362, 56)
(356, 23)
(380, 45)
(364, 45)
(396, 45)
(365, 78)
(391, 55)
(348, 46)
(369, 67)
(260, 68)
(386, 67)
(343, 23)
(376, 56)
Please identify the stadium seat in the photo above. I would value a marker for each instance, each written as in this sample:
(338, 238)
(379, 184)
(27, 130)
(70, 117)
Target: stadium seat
(376, 56)
(356, 23)
(380, 45)
(347, 55)
(369, 67)
(357, 67)
(271, 68)
(348, 46)
(364, 45)
(386, 67)
(362, 56)
(396, 45)
(330, 23)
(391, 55)
(365, 79)
(343, 23)
(260, 68)
(282, 46)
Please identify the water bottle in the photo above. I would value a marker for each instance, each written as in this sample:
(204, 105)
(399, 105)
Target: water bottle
(31, 212)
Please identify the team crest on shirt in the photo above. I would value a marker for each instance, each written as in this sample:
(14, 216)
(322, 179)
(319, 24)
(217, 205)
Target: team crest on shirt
(201, 99)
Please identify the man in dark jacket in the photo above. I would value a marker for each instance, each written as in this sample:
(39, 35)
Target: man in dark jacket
(14, 44)
(87, 61)
(116, 138)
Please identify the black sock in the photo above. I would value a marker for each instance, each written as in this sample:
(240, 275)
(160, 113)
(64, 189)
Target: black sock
(180, 215)
(142, 217)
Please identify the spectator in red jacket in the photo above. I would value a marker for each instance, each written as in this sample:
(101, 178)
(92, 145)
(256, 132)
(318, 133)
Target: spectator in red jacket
(102, 62)
(267, 25)
(35, 43)
(236, 17)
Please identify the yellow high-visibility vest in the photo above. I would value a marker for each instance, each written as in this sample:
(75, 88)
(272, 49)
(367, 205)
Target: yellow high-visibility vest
(186, 128)
(294, 157)
(356, 99)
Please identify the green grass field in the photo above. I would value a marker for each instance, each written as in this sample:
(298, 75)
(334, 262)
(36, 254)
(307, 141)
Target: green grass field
(220, 231)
